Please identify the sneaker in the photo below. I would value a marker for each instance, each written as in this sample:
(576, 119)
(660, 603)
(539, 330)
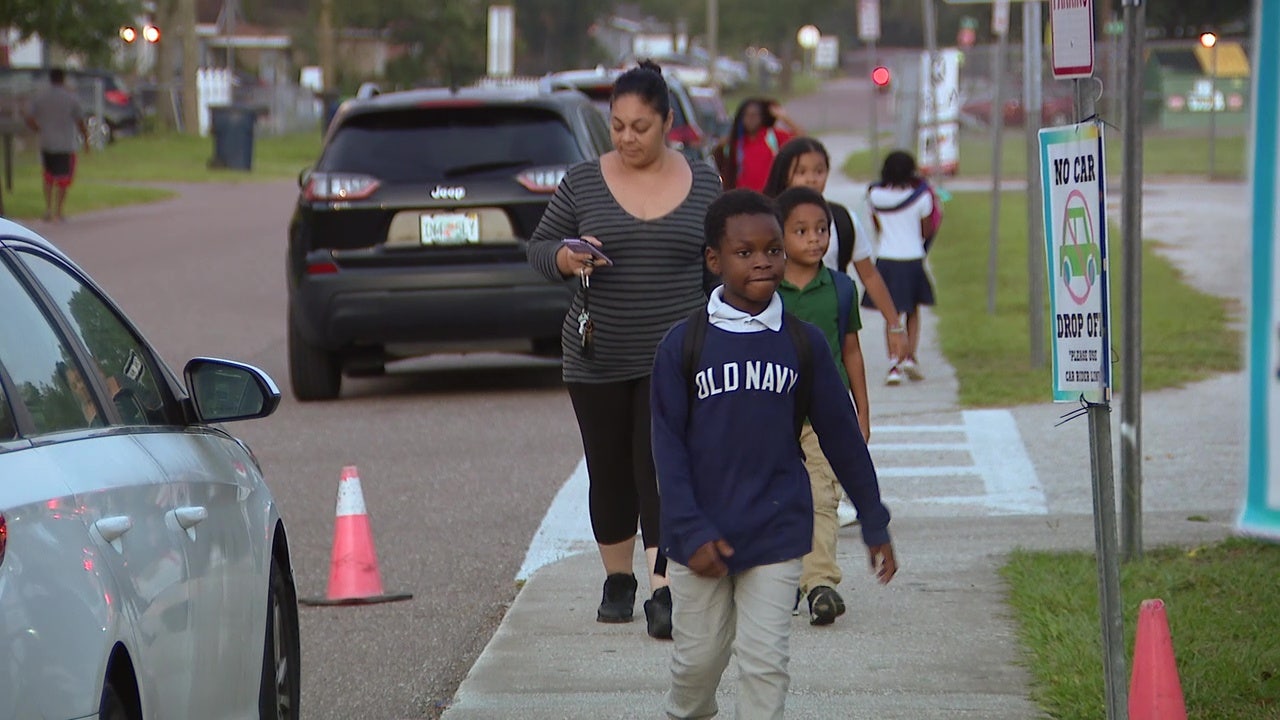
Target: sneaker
(657, 613)
(846, 515)
(911, 368)
(825, 605)
(619, 600)
(894, 377)
(795, 609)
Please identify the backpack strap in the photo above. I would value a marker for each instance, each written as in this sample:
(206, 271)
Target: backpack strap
(771, 139)
(921, 188)
(804, 387)
(845, 293)
(845, 235)
(695, 335)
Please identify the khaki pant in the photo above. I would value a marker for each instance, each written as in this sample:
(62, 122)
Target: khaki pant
(748, 614)
(819, 566)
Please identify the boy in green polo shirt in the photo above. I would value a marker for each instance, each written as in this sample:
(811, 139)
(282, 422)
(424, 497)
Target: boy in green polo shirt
(813, 292)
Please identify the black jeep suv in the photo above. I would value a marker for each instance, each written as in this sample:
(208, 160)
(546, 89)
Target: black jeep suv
(409, 233)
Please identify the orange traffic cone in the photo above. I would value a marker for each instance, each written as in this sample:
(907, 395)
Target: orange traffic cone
(1155, 692)
(353, 571)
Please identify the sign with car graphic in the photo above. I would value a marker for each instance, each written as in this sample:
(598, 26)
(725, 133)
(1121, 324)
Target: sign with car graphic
(1075, 231)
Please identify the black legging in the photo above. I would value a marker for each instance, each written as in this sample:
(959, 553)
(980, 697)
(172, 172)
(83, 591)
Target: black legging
(613, 419)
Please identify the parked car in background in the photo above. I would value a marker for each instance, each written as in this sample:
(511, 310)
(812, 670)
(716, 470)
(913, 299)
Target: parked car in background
(111, 108)
(1056, 109)
(408, 236)
(686, 134)
(713, 116)
(144, 567)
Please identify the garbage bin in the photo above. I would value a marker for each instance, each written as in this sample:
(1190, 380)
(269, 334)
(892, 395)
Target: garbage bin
(232, 128)
(330, 102)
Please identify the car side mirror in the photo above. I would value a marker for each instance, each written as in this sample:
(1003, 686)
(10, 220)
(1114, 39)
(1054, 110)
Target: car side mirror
(223, 390)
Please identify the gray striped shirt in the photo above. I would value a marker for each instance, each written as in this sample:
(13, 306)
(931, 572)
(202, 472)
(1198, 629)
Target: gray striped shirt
(655, 279)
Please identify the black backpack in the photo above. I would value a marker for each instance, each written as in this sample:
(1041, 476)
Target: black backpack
(695, 335)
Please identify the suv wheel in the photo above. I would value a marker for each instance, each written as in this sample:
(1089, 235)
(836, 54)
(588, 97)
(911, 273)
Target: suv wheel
(314, 372)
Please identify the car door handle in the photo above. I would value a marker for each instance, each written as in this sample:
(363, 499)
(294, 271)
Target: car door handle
(112, 528)
(189, 517)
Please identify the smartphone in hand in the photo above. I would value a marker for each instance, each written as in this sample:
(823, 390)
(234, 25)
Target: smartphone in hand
(579, 245)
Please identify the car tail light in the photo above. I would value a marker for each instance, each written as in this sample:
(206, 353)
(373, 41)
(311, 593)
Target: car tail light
(541, 180)
(116, 97)
(4, 538)
(339, 186)
(326, 267)
(684, 136)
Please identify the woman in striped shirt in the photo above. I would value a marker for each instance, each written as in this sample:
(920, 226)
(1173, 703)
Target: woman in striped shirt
(643, 206)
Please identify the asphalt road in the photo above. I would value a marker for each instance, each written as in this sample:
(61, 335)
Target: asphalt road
(459, 457)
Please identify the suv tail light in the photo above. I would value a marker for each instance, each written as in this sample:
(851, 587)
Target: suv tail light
(116, 97)
(4, 538)
(339, 186)
(684, 136)
(543, 179)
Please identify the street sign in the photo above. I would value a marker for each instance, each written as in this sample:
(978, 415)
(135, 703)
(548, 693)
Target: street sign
(1075, 229)
(1000, 17)
(868, 20)
(502, 21)
(1261, 512)
(1071, 22)
(827, 55)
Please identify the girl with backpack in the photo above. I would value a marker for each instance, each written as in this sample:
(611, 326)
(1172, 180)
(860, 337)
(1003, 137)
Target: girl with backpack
(758, 134)
(903, 207)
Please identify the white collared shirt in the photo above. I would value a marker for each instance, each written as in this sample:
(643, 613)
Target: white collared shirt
(729, 318)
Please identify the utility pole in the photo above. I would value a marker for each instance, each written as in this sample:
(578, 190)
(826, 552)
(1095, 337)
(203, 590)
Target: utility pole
(324, 45)
(186, 17)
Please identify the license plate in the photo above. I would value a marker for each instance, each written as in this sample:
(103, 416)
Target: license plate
(451, 229)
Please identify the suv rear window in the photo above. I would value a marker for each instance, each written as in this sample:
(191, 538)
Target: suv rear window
(436, 144)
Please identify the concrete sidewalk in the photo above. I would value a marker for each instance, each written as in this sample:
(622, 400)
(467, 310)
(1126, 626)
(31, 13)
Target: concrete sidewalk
(965, 487)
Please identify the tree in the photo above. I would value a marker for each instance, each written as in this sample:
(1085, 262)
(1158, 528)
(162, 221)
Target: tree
(87, 27)
(443, 41)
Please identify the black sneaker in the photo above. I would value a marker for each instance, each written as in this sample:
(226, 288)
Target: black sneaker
(825, 605)
(657, 611)
(619, 600)
(795, 609)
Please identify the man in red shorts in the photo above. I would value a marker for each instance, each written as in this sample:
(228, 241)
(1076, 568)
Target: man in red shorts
(55, 114)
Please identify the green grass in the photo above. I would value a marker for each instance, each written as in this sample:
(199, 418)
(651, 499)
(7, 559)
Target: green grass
(1186, 333)
(1221, 604)
(1164, 153)
(119, 174)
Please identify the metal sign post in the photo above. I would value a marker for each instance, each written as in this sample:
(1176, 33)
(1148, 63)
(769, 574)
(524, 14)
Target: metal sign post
(1032, 77)
(999, 26)
(869, 33)
(1131, 302)
(1074, 178)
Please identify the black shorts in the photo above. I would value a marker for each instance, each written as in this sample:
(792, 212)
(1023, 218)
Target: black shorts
(58, 167)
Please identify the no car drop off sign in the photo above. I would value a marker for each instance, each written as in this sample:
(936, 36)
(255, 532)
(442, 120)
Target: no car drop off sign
(1075, 231)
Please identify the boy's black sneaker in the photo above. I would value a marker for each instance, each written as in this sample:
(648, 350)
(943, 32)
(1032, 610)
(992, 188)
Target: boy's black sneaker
(657, 612)
(619, 601)
(825, 605)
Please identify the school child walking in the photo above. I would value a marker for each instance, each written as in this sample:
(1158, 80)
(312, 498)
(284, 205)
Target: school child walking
(804, 162)
(826, 298)
(730, 388)
(902, 208)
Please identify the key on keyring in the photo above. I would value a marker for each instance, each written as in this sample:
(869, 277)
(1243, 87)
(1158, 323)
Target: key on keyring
(583, 319)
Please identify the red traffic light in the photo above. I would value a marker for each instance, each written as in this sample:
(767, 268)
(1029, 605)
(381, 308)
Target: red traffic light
(880, 76)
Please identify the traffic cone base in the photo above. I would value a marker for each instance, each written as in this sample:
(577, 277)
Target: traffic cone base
(354, 578)
(1155, 693)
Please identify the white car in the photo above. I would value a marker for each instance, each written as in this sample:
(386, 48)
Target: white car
(144, 567)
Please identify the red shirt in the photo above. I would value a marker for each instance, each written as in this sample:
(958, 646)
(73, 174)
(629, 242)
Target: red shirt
(755, 155)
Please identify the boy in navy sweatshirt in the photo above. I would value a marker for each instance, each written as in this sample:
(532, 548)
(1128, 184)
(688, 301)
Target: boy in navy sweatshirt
(736, 507)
